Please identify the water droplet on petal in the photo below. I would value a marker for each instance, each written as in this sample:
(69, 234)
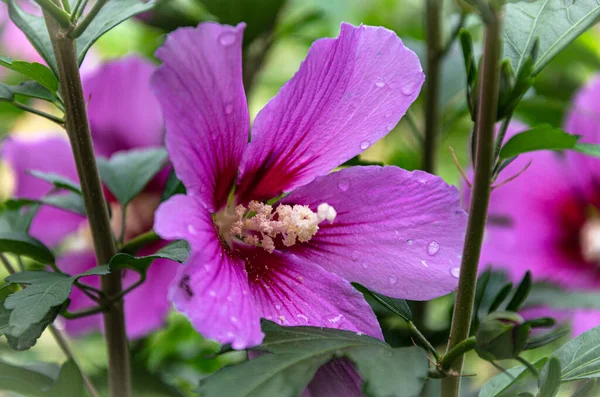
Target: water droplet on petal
(379, 83)
(191, 229)
(424, 263)
(393, 279)
(355, 255)
(303, 317)
(365, 145)
(212, 293)
(227, 39)
(410, 85)
(455, 272)
(364, 265)
(278, 306)
(409, 242)
(333, 320)
(343, 185)
(234, 319)
(433, 248)
(229, 108)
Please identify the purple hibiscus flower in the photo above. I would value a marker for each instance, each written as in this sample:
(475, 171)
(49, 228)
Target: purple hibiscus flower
(548, 219)
(399, 233)
(123, 115)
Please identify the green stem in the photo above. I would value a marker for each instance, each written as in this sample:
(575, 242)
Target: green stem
(79, 135)
(433, 36)
(85, 22)
(453, 35)
(458, 351)
(58, 14)
(423, 340)
(48, 116)
(501, 135)
(480, 196)
(66, 7)
(529, 366)
(414, 127)
(123, 224)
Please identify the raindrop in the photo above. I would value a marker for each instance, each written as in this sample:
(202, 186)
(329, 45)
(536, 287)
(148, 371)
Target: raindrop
(228, 108)
(303, 317)
(234, 319)
(343, 185)
(227, 39)
(355, 255)
(365, 145)
(393, 279)
(455, 272)
(333, 319)
(191, 229)
(424, 263)
(229, 299)
(212, 293)
(409, 242)
(278, 306)
(433, 248)
(379, 83)
(410, 86)
(364, 265)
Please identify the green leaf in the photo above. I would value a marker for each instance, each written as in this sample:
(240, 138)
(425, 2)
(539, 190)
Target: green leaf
(296, 353)
(520, 294)
(35, 29)
(173, 186)
(22, 244)
(28, 338)
(549, 381)
(33, 89)
(111, 15)
(70, 202)
(580, 357)
(33, 70)
(16, 220)
(541, 340)
(127, 173)
(543, 137)
(69, 382)
(502, 385)
(500, 297)
(59, 181)
(554, 22)
(397, 306)
(177, 251)
(24, 381)
(545, 294)
(588, 148)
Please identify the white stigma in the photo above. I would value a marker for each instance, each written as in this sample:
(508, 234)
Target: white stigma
(259, 225)
(590, 240)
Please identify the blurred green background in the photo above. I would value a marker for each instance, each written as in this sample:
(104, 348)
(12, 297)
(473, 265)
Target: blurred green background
(279, 33)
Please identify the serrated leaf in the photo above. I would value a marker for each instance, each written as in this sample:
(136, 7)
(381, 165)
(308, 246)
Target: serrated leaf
(501, 384)
(127, 173)
(580, 357)
(587, 148)
(543, 137)
(24, 381)
(35, 71)
(111, 15)
(297, 352)
(69, 382)
(59, 181)
(177, 251)
(549, 381)
(28, 338)
(35, 29)
(555, 23)
(22, 244)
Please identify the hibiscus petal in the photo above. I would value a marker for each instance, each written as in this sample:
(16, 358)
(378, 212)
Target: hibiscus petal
(200, 89)
(584, 320)
(295, 292)
(336, 379)
(348, 93)
(211, 289)
(48, 154)
(123, 112)
(396, 232)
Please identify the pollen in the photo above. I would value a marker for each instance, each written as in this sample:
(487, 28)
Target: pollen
(261, 225)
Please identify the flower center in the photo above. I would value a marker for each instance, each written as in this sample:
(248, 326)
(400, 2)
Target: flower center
(261, 225)
(590, 240)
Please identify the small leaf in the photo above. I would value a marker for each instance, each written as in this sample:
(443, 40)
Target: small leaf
(553, 22)
(24, 381)
(33, 70)
(17, 220)
(173, 186)
(59, 181)
(35, 29)
(33, 89)
(110, 15)
(28, 338)
(580, 357)
(588, 148)
(70, 202)
(69, 382)
(296, 353)
(22, 244)
(541, 340)
(397, 306)
(543, 137)
(127, 173)
(549, 381)
(177, 251)
(520, 294)
(502, 384)
(500, 297)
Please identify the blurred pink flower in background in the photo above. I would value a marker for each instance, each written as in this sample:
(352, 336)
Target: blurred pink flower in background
(399, 233)
(548, 219)
(123, 115)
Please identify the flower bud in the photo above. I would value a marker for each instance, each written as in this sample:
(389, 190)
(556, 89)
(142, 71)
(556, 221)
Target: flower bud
(501, 335)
